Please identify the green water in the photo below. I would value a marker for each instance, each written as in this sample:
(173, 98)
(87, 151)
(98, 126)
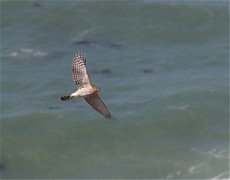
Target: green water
(162, 67)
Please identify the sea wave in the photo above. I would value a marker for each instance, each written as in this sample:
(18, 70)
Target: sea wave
(27, 53)
(222, 175)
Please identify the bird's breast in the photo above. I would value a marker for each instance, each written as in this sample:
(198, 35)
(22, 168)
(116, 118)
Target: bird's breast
(85, 92)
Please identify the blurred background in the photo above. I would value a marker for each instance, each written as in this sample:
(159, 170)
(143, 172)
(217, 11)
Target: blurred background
(163, 70)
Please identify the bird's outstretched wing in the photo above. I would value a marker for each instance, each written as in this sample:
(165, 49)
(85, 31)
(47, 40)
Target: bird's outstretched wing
(98, 105)
(79, 71)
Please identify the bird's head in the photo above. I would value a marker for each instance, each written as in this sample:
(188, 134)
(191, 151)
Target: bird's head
(97, 89)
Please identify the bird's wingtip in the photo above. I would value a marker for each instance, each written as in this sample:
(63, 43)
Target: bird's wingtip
(110, 117)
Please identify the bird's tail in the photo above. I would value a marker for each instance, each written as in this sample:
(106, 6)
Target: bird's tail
(65, 98)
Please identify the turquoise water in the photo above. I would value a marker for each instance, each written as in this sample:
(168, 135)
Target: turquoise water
(162, 67)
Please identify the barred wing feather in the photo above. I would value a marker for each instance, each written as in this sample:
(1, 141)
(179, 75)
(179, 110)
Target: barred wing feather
(79, 71)
(98, 105)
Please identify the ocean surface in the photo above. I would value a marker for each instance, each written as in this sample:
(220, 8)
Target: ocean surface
(163, 70)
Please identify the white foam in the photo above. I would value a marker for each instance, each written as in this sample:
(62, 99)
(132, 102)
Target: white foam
(215, 153)
(83, 34)
(223, 175)
(183, 108)
(170, 176)
(212, 153)
(180, 108)
(14, 54)
(33, 52)
(193, 168)
(27, 53)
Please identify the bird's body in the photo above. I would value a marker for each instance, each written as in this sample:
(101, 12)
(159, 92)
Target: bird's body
(85, 88)
(85, 92)
(81, 93)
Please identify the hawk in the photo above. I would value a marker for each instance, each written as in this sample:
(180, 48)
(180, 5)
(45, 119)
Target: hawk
(85, 89)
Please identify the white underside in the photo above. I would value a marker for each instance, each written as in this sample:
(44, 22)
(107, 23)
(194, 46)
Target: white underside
(81, 93)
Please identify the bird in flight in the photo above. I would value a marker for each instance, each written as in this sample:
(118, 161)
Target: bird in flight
(85, 89)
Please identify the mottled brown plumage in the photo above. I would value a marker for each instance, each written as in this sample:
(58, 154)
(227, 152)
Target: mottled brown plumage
(85, 88)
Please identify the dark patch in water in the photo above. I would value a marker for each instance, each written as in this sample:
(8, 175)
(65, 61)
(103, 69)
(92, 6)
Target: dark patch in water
(112, 45)
(147, 71)
(37, 5)
(106, 71)
(85, 42)
(53, 107)
(2, 167)
(94, 43)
